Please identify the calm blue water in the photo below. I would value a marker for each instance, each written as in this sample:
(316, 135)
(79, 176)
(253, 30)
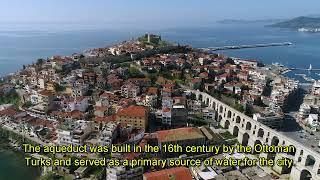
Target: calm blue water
(304, 52)
(21, 47)
(12, 165)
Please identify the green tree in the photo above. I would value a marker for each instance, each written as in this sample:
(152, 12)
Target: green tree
(230, 61)
(239, 107)
(10, 98)
(59, 88)
(27, 104)
(40, 62)
(135, 73)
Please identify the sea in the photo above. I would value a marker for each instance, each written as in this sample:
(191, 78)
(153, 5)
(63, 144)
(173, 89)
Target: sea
(24, 44)
(12, 164)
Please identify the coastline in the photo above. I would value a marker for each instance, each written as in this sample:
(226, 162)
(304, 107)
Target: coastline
(11, 160)
(280, 70)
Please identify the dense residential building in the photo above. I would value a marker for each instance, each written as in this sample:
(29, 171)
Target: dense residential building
(136, 116)
(74, 132)
(151, 98)
(109, 133)
(79, 90)
(178, 98)
(121, 172)
(130, 90)
(75, 104)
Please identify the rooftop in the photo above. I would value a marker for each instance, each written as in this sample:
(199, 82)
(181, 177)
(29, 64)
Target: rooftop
(178, 173)
(179, 134)
(137, 111)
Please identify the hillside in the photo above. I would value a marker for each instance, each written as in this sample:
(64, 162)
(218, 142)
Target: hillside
(299, 22)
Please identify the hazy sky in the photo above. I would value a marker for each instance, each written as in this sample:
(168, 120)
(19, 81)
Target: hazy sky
(150, 12)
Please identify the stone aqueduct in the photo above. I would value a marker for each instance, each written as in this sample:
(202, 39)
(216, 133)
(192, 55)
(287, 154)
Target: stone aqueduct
(250, 132)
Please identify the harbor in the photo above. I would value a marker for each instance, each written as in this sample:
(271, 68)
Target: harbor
(247, 46)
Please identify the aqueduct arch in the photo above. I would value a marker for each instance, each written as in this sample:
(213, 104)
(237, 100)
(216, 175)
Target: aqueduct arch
(257, 147)
(245, 139)
(305, 175)
(260, 133)
(250, 132)
(235, 131)
(248, 126)
(229, 114)
(275, 141)
(238, 119)
(227, 124)
(310, 161)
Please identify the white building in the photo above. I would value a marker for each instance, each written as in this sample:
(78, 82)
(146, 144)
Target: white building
(117, 173)
(74, 133)
(130, 90)
(316, 88)
(304, 110)
(76, 104)
(108, 134)
(41, 83)
(150, 100)
(313, 120)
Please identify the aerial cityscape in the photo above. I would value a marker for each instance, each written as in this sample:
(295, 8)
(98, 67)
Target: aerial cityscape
(231, 97)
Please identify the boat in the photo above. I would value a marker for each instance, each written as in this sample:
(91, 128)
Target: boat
(309, 79)
(303, 75)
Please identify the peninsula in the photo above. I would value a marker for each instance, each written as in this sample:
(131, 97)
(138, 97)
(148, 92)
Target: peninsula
(147, 92)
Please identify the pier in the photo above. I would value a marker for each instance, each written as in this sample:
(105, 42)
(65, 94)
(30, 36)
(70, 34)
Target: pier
(304, 69)
(246, 46)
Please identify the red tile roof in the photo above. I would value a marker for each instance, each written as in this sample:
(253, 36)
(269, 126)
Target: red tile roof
(152, 91)
(166, 110)
(46, 93)
(178, 173)
(41, 122)
(101, 108)
(133, 111)
(179, 134)
(8, 112)
(107, 119)
(73, 114)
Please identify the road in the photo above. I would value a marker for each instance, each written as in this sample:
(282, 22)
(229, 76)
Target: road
(293, 130)
(303, 137)
(34, 139)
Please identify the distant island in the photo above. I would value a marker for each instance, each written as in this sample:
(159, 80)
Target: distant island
(306, 24)
(232, 21)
